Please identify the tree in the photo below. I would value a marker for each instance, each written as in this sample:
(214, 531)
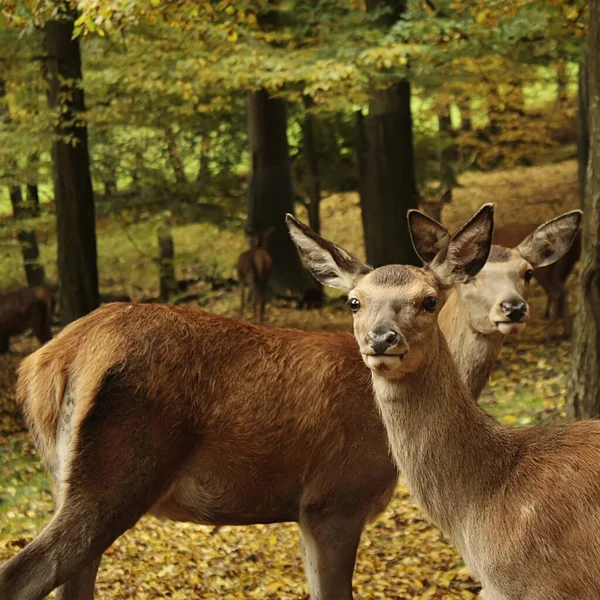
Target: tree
(271, 193)
(389, 186)
(584, 376)
(74, 197)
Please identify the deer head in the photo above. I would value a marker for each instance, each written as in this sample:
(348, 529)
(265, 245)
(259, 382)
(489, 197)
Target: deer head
(395, 307)
(497, 297)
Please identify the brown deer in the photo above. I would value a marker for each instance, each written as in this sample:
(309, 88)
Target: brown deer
(283, 395)
(23, 309)
(552, 278)
(479, 314)
(254, 269)
(521, 505)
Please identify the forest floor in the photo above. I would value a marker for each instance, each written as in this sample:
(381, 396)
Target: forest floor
(401, 555)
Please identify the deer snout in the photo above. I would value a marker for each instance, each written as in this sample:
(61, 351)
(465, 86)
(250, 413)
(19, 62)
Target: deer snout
(515, 309)
(383, 337)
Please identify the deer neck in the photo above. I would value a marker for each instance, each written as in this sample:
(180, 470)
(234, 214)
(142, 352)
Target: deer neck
(475, 353)
(451, 453)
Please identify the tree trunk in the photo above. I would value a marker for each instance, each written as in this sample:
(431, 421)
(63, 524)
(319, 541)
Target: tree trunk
(583, 129)
(389, 184)
(174, 156)
(466, 118)
(271, 193)
(203, 177)
(75, 219)
(583, 393)
(34, 270)
(166, 264)
(311, 159)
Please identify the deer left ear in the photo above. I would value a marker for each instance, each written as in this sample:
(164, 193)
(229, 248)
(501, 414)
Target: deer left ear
(330, 264)
(467, 251)
(551, 241)
(427, 235)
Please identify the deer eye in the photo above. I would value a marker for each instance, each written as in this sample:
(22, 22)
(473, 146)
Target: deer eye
(430, 303)
(354, 304)
(528, 274)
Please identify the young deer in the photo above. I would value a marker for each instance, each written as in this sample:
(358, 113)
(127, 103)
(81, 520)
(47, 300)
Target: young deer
(283, 394)
(521, 505)
(254, 269)
(479, 314)
(552, 278)
(23, 309)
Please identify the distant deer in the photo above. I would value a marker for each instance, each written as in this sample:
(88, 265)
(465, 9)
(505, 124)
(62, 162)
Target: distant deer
(23, 309)
(552, 278)
(521, 505)
(199, 387)
(433, 207)
(254, 269)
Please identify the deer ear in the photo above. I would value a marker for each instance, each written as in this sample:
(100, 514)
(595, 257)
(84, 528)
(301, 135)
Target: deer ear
(330, 264)
(468, 250)
(427, 235)
(550, 241)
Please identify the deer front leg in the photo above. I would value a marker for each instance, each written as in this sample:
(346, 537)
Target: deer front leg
(329, 546)
(242, 300)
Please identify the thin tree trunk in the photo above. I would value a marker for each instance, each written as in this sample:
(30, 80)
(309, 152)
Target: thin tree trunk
(34, 271)
(271, 193)
(583, 393)
(562, 80)
(166, 264)
(75, 218)
(203, 177)
(312, 167)
(583, 128)
(174, 156)
(389, 186)
(466, 115)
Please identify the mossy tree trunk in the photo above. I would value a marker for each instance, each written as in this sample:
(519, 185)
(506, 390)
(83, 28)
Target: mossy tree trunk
(74, 197)
(583, 393)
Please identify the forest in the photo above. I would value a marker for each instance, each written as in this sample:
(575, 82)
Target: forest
(150, 151)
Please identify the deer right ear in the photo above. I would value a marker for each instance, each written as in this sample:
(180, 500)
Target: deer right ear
(330, 264)
(427, 235)
(468, 249)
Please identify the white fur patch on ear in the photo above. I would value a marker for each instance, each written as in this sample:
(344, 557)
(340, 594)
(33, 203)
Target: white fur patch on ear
(329, 264)
(551, 241)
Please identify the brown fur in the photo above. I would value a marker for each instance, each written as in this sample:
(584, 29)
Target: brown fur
(521, 505)
(254, 269)
(23, 309)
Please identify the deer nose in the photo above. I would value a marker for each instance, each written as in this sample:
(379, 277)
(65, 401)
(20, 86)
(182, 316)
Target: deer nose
(382, 338)
(515, 309)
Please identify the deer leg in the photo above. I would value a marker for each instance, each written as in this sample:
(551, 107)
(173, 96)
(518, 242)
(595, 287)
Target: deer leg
(329, 546)
(81, 586)
(110, 478)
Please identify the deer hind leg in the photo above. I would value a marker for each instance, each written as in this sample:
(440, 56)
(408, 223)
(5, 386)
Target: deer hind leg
(115, 475)
(329, 546)
(81, 586)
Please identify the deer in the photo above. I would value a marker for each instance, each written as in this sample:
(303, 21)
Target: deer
(254, 269)
(552, 278)
(283, 393)
(479, 314)
(521, 505)
(23, 309)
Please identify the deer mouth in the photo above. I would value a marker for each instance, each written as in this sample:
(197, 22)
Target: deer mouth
(506, 327)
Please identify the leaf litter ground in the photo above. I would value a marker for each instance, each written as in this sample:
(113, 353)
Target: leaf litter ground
(401, 555)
